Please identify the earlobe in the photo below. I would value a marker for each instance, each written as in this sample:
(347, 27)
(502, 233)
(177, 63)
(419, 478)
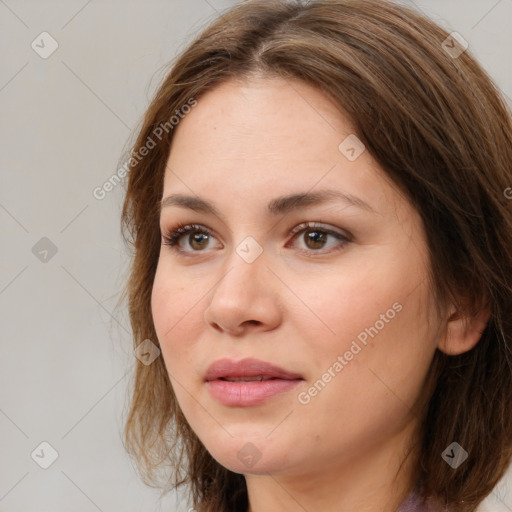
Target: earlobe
(463, 332)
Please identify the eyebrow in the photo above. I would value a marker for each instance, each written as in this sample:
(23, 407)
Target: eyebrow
(278, 206)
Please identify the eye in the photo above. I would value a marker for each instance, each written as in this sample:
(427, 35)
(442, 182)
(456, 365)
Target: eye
(197, 237)
(315, 237)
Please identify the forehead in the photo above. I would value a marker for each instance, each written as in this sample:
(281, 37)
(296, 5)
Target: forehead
(270, 118)
(265, 138)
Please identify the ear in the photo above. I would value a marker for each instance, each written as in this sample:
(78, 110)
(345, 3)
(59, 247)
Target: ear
(463, 331)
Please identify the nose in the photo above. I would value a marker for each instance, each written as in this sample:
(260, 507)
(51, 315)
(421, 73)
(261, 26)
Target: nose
(245, 299)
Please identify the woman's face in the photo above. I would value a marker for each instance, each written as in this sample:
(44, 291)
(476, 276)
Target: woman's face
(341, 306)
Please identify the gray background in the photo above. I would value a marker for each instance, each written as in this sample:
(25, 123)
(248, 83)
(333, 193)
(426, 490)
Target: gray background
(66, 356)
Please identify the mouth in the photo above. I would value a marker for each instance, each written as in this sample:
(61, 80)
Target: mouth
(259, 378)
(248, 382)
(247, 370)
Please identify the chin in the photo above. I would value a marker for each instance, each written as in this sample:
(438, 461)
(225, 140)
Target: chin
(263, 466)
(253, 455)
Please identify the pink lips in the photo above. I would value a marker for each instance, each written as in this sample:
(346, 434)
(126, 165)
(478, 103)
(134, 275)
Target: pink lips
(261, 381)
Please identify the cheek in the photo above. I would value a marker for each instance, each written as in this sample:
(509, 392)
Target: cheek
(173, 314)
(379, 367)
(178, 303)
(379, 323)
(343, 306)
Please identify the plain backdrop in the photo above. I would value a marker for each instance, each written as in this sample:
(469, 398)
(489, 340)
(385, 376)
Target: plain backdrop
(65, 120)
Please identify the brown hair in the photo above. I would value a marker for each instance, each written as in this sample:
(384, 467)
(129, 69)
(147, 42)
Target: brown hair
(441, 131)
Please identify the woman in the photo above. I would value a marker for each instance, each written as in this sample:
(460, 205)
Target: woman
(322, 252)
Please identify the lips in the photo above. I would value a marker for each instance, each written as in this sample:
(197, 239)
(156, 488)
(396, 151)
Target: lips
(249, 382)
(247, 370)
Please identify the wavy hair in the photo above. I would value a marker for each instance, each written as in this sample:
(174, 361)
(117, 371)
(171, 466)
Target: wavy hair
(438, 126)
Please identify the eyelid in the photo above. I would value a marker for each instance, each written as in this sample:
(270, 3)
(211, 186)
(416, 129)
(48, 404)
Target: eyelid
(327, 228)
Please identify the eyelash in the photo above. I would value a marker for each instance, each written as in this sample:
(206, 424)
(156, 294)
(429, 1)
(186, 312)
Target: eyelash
(172, 237)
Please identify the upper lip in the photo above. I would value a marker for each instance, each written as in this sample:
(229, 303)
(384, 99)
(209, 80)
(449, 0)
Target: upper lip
(247, 367)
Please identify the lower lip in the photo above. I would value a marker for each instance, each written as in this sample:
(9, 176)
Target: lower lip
(242, 394)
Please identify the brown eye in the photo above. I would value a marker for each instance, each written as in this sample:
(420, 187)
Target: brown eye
(198, 238)
(315, 239)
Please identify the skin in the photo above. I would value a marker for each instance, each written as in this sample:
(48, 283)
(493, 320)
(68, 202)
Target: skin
(298, 305)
